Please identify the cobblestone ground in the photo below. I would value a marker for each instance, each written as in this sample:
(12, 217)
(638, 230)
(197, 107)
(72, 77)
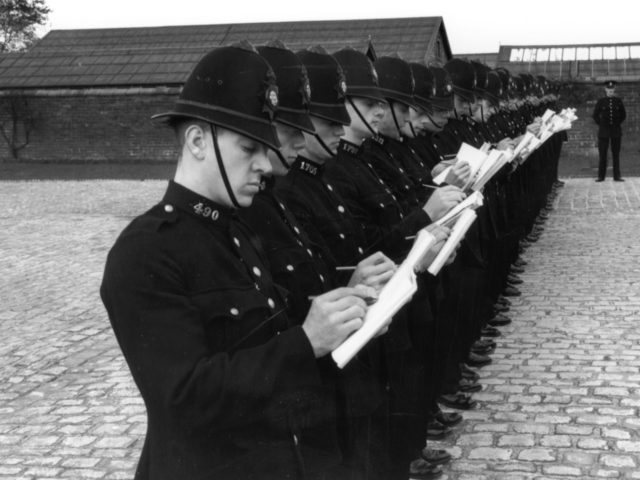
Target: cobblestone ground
(559, 401)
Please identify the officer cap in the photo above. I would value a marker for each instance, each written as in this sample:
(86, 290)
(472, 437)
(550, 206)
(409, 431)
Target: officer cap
(493, 92)
(519, 88)
(425, 87)
(294, 91)
(528, 82)
(395, 80)
(506, 81)
(543, 84)
(362, 78)
(443, 97)
(482, 77)
(610, 84)
(328, 85)
(463, 77)
(233, 87)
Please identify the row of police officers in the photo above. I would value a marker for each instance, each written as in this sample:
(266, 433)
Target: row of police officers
(301, 182)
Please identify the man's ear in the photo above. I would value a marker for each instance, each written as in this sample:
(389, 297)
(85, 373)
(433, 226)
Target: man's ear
(195, 140)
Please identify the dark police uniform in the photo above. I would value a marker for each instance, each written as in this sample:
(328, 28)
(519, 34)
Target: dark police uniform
(609, 113)
(230, 382)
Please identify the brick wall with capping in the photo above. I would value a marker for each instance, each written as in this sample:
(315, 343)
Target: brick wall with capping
(77, 127)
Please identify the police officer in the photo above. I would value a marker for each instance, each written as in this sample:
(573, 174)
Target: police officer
(609, 113)
(230, 382)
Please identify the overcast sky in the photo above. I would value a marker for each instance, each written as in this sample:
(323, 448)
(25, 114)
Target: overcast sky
(472, 26)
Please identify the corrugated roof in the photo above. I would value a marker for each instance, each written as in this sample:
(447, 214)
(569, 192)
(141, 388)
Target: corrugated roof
(166, 55)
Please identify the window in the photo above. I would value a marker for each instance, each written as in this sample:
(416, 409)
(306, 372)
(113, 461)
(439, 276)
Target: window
(516, 55)
(555, 54)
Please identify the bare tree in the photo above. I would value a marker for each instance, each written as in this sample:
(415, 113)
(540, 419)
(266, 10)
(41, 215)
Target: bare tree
(18, 22)
(16, 123)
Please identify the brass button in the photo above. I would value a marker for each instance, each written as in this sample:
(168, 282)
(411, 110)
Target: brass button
(168, 208)
(256, 271)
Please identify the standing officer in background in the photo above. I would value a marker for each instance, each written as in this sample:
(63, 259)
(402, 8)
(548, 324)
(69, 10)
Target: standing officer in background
(609, 114)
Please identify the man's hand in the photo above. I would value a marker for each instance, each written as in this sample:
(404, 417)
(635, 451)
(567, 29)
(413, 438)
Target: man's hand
(334, 316)
(506, 144)
(374, 271)
(442, 200)
(534, 127)
(441, 234)
(459, 174)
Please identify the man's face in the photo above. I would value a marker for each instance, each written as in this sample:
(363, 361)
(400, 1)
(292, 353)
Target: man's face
(610, 92)
(388, 124)
(245, 161)
(417, 118)
(329, 132)
(462, 106)
(482, 110)
(437, 119)
(371, 110)
(291, 142)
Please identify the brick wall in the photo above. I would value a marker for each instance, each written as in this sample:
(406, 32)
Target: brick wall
(583, 141)
(115, 126)
(102, 127)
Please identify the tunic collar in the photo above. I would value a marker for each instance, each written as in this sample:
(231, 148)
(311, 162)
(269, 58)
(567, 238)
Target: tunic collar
(194, 204)
(308, 167)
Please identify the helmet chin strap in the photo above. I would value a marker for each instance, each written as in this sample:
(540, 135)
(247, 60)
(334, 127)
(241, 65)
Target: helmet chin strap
(438, 126)
(413, 132)
(353, 105)
(282, 160)
(324, 145)
(395, 119)
(223, 171)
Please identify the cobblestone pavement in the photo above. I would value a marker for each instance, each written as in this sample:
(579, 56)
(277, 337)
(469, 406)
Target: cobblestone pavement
(560, 400)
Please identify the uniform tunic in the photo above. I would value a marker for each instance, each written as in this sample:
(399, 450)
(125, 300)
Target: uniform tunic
(609, 113)
(230, 382)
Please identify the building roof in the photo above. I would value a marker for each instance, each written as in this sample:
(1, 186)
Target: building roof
(166, 55)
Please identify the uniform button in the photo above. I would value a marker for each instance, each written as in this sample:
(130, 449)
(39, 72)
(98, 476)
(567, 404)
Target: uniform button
(271, 303)
(341, 209)
(290, 268)
(401, 170)
(299, 242)
(234, 311)
(380, 180)
(256, 271)
(257, 286)
(382, 205)
(281, 205)
(295, 439)
(341, 236)
(310, 252)
(168, 208)
(297, 230)
(330, 187)
(321, 278)
(360, 251)
(236, 241)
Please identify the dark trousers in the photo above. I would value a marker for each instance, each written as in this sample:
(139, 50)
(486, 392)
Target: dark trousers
(603, 146)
